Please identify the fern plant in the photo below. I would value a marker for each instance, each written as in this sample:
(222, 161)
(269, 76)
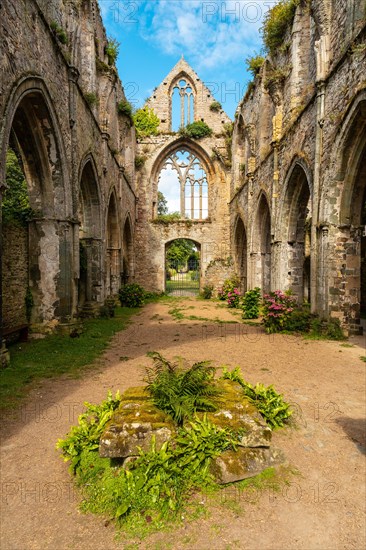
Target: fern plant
(180, 391)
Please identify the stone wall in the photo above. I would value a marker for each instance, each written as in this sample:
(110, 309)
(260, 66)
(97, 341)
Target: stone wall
(15, 274)
(59, 97)
(308, 169)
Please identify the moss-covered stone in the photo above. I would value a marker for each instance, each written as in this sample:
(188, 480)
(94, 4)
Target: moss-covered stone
(233, 466)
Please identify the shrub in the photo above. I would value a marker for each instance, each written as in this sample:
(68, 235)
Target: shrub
(132, 295)
(299, 320)
(215, 106)
(251, 303)
(228, 286)
(269, 403)
(124, 107)
(277, 307)
(276, 22)
(328, 329)
(111, 50)
(146, 122)
(59, 32)
(254, 64)
(207, 292)
(233, 298)
(91, 98)
(139, 161)
(196, 130)
(180, 391)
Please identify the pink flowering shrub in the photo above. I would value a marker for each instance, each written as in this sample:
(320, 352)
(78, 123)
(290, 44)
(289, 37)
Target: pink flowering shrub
(233, 298)
(277, 308)
(228, 287)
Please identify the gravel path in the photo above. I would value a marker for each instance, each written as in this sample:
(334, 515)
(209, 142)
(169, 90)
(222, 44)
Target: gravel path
(323, 508)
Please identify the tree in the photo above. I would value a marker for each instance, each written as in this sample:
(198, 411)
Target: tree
(162, 204)
(15, 206)
(179, 252)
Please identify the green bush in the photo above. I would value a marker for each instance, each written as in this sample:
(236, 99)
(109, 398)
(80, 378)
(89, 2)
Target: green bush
(276, 22)
(111, 50)
(251, 303)
(328, 329)
(196, 130)
(299, 320)
(254, 64)
(207, 292)
(180, 391)
(139, 161)
(132, 295)
(124, 107)
(146, 122)
(16, 208)
(215, 106)
(269, 403)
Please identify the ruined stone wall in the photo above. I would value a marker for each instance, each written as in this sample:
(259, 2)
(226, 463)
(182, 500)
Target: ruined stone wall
(59, 98)
(15, 274)
(211, 235)
(315, 83)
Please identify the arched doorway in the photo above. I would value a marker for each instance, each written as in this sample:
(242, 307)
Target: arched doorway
(113, 260)
(42, 269)
(295, 230)
(261, 251)
(182, 267)
(240, 240)
(90, 253)
(127, 253)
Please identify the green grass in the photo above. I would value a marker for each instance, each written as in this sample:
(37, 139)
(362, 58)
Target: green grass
(56, 355)
(363, 358)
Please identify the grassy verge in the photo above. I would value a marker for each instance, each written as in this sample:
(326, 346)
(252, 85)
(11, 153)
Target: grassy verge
(56, 355)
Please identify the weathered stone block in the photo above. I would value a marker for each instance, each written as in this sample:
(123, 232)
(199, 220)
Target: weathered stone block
(233, 466)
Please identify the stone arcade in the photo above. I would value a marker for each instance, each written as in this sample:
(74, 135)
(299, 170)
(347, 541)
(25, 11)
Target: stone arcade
(284, 208)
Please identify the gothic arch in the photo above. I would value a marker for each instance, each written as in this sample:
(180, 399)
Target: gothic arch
(90, 234)
(31, 124)
(294, 230)
(196, 161)
(241, 252)
(261, 245)
(185, 90)
(127, 250)
(113, 242)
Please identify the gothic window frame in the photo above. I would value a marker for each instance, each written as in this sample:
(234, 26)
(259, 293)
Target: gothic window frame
(185, 114)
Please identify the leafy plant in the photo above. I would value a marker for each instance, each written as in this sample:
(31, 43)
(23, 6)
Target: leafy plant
(85, 436)
(132, 295)
(299, 320)
(91, 98)
(146, 122)
(207, 292)
(269, 403)
(233, 298)
(276, 22)
(168, 218)
(277, 307)
(59, 32)
(139, 161)
(111, 50)
(124, 107)
(254, 64)
(228, 286)
(196, 130)
(250, 303)
(329, 329)
(215, 106)
(15, 207)
(180, 391)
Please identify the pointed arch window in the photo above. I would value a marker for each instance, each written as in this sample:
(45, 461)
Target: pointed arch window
(183, 182)
(182, 104)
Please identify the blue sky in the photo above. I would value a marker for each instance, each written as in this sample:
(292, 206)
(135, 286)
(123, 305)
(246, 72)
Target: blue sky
(215, 37)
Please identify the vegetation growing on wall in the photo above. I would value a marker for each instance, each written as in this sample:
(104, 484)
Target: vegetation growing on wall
(146, 122)
(59, 32)
(215, 106)
(196, 130)
(276, 22)
(15, 206)
(124, 107)
(91, 98)
(254, 64)
(112, 50)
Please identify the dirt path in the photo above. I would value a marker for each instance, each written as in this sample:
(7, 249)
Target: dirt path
(323, 508)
